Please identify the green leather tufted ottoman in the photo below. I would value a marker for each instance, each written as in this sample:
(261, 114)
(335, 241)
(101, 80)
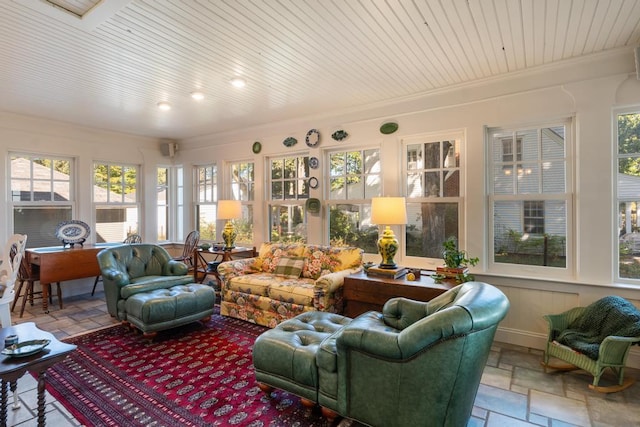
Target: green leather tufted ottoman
(161, 309)
(285, 357)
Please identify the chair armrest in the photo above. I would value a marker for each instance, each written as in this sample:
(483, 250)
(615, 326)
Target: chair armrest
(368, 333)
(175, 268)
(230, 269)
(560, 322)
(118, 277)
(327, 292)
(613, 350)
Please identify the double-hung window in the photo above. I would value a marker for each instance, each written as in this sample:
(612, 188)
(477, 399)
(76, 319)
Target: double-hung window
(289, 190)
(206, 181)
(41, 196)
(115, 199)
(354, 178)
(628, 196)
(434, 193)
(243, 189)
(530, 195)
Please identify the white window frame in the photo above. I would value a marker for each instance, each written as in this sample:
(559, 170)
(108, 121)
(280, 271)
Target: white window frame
(298, 201)
(208, 198)
(64, 205)
(363, 203)
(122, 199)
(567, 272)
(248, 202)
(456, 163)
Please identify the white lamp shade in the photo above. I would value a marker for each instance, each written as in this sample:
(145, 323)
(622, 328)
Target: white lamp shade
(229, 209)
(388, 210)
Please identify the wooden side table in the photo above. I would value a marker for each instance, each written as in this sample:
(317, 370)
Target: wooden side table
(12, 368)
(363, 293)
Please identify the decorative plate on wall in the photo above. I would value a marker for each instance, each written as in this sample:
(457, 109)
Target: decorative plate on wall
(256, 147)
(313, 138)
(388, 128)
(290, 142)
(313, 182)
(339, 135)
(314, 162)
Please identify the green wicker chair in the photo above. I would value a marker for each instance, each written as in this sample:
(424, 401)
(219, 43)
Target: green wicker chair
(613, 352)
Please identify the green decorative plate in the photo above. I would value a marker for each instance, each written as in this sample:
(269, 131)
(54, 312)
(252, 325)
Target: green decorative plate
(290, 142)
(256, 147)
(388, 128)
(25, 348)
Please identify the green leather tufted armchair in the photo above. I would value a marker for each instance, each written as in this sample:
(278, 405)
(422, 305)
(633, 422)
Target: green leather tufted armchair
(132, 269)
(414, 364)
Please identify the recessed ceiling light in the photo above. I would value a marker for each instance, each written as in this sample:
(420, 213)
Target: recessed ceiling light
(164, 106)
(238, 82)
(197, 95)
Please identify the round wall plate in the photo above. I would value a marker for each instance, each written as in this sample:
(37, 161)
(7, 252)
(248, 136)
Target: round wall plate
(313, 138)
(314, 162)
(313, 182)
(256, 147)
(388, 128)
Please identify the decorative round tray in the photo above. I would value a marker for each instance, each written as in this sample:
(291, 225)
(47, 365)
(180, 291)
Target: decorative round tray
(73, 231)
(25, 348)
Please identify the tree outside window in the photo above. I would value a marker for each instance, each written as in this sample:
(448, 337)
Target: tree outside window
(433, 194)
(243, 189)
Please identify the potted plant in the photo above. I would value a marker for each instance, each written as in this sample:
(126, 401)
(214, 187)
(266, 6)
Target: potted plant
(456, 263)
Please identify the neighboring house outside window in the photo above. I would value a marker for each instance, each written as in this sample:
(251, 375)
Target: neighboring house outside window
(627, 180)
(206, 183)
(530, 195)
(41, 196)
(434, 192)
(115, 199)
(289, 190)
(354, 178)
(243, 189)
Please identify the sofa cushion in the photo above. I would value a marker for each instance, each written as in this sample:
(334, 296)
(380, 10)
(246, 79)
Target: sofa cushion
(270, 253)
(296, 291)
(290, 267)
(321, 260)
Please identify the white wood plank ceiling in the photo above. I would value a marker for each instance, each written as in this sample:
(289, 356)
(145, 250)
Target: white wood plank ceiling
(107, 64)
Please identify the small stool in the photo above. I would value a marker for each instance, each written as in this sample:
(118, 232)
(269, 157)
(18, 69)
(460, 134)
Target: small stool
(285, 357)
(168, 308)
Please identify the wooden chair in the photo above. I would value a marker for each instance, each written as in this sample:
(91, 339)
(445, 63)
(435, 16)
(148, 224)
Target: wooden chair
(9, 268)
(130, 240)
(188, 249)
(30, 274)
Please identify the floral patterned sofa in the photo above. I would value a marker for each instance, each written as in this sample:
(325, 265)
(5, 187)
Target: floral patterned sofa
(285, 280)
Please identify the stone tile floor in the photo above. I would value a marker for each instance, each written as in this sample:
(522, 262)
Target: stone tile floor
(514, 392)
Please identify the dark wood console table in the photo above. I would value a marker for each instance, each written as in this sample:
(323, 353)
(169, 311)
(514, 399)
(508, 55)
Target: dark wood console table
(59, 264)
(12, 368)
(363, 293)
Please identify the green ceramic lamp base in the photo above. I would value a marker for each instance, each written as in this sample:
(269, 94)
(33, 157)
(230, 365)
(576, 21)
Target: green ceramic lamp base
(388, 248)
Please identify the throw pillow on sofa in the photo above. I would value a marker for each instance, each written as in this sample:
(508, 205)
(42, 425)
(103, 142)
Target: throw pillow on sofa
(289, 267)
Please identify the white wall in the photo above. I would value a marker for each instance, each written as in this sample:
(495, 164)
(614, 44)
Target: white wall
(587, 89)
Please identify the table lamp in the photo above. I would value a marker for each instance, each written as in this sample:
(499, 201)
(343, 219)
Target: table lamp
(388, 211)
(229, 210)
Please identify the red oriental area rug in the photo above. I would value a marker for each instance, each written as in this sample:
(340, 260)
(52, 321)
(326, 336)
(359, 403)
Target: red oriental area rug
(191, 376)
